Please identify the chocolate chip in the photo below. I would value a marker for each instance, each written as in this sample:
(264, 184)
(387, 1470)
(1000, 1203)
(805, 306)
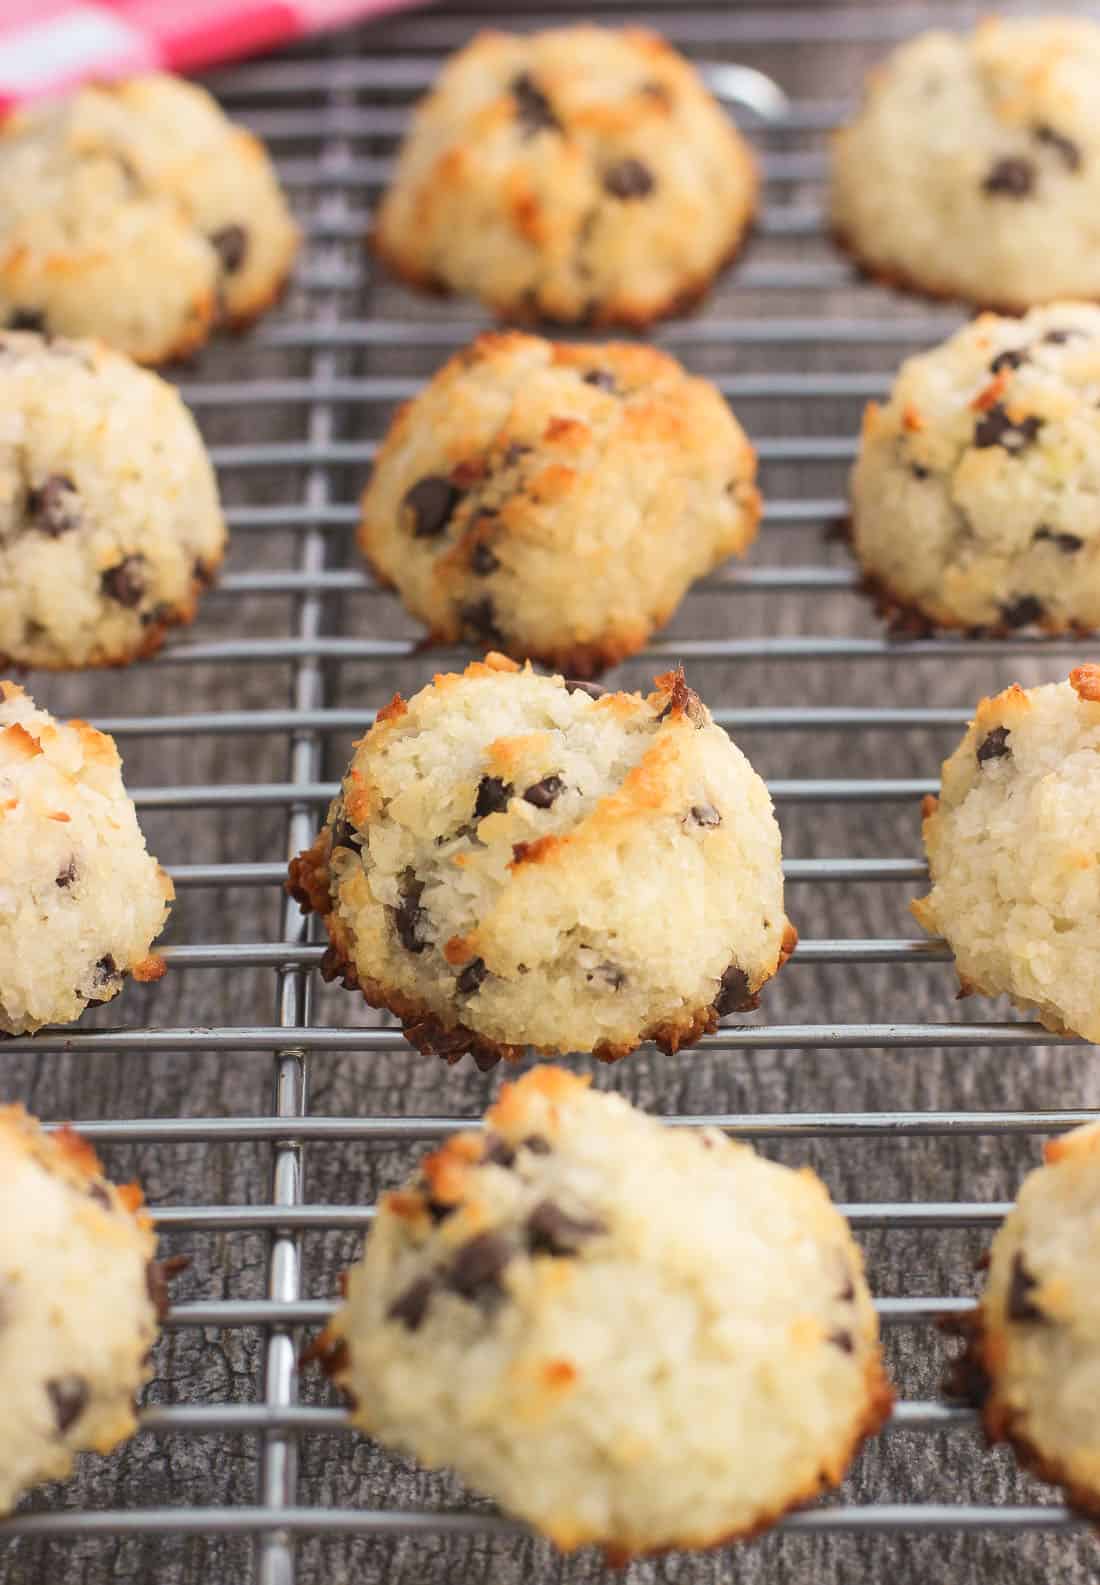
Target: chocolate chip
(1058, 338)
(469, 981)
(543, 793)
(1070, 153)
(479, 618)
(411, 1306)
(436, 1209)
(1020, 1306)
(552, 1231)
(28, 319)
(477, 1267)
(67, 875)
(534, 112)
(498, 1151)
(994, 745)
(1012, 177)
(602, 380)
(1021, 612)
(843, 1341)
(98, 1194)
(705, 815)
(53, 508)
(1065, 542)
(106, 969)
(1011, 358)
(918, 471)
(733, 993)
(231, 246)
(995, 428)
(431, 501)
(609, 974)
(492, 796)
(628, 179)
(408, 916)
(592, 689)
(482, 560)
(342, 833)
(201, 573)
(125, 582)
(536, 1144)
(68, 1397)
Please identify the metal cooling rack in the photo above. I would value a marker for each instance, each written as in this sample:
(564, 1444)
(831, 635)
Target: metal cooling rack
(327, 369)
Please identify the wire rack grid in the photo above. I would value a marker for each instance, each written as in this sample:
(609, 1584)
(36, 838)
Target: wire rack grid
(233, 740)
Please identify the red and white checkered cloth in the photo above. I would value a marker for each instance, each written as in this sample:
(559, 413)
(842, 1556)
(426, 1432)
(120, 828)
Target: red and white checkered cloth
(47, 45)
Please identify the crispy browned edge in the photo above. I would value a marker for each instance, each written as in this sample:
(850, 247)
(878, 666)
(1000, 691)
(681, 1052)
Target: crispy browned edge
(152, 637)
(973, 1379)
(308, 883)
(905, 619)
(896, 277)
(678, 302)
(332, 1354)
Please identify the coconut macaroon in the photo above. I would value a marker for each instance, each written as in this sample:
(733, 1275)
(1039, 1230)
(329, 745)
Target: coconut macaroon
(556, 501)
(79, 1318)
(136, 212)
(972, 168)
(1015, 878)
(1033, 1353)
(973, 495)
(626, 1334)
(512, 862)
(582, 174)
(110, 523)
(81, 900)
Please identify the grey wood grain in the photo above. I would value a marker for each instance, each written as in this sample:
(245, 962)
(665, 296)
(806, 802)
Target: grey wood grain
(210, 1366)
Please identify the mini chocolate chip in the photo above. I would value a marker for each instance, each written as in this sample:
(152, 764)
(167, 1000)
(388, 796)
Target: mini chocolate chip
(536, 1144)
(602, 380)
(342, 833)
(27, 319)
(1058, 338)
(843, 1341)
(609, 974)
(1012, 177)
(498, 1151)
(482, 560)
(411, 1306)
(53, 508)
(478, 1265)
(431, 501)
(534, 112)
(918, 470)
(705, 815)
(1070, 153)
(125, 582)
(161, 613)
(592, 689)
(1020, 1306)
(994, 745)
(492, 796)
(98, 1194)
(469, 981)
(1011, 358)
(995, 428)
(543, 793)
(628, 179)
(68, 1397)
(436, 1209)
(1064, 542)
(408, 916)
(733, 992)
(1019, 613)
(231, 246)
(66, 876)
(552, 1231)
(479, 619)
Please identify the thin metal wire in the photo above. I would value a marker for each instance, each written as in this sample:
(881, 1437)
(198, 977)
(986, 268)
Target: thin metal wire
(338, 179)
